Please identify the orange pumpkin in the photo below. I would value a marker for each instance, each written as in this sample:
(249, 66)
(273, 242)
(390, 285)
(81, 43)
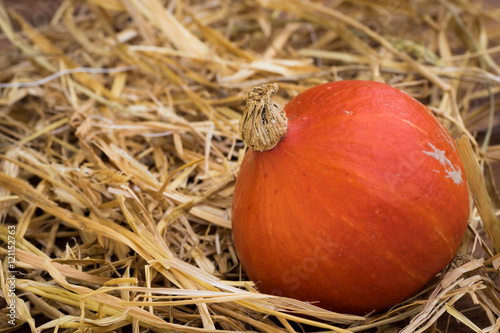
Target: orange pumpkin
(360, 203)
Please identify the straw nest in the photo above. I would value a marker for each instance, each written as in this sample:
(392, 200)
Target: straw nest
(119, 148)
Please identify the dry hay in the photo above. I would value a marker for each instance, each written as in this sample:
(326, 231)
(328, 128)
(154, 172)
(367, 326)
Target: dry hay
(119, 149)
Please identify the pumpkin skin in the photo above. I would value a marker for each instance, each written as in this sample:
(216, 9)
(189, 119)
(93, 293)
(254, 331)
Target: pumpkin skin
(359, 206)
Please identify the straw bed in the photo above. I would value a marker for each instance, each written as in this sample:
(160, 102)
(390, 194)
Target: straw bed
(119, 147)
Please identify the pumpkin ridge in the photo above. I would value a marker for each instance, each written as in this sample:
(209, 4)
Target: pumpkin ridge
(370, 182)
(446, 241)
(429, 222)
(391, 257)
(371, 188)
(300, 180)
(366, 238)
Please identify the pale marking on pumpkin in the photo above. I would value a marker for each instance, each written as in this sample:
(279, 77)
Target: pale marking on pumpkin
(452, 172)
(450, 246)
(414, 126)
(389, 255)
(443, 133)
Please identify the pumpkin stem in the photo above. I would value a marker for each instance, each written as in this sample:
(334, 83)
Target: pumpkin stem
(264, 121)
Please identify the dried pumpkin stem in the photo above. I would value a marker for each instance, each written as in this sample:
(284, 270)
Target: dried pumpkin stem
(264, 121)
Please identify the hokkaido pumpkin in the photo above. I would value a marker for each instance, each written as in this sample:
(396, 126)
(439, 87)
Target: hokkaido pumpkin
(353, 196)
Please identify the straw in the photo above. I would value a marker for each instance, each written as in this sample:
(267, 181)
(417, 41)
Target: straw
(119, 151)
